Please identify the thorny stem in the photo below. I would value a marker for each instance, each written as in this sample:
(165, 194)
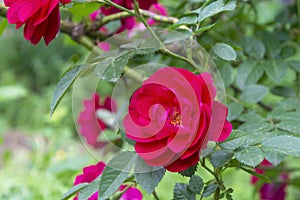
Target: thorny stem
(202, 161)
(217, 175)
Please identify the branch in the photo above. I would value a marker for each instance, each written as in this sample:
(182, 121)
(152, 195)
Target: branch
(121, 15)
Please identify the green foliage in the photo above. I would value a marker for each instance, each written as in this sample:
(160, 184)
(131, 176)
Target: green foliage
(63, 85)
(219, 158)
(89, 190)
(234, 111)
(213, 9)
(209, 189)
(74, 190)
(254, 93)
(273, 138)
(253, 47)
(115, 173)
(83, 9)
(196, 184)
(182, 192)
(111, 64)
(224, 51)
(190, 171)
(147, 176)
(251, 156)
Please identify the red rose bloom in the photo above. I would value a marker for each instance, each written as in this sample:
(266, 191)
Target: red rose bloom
(41, 18)
(173, 115)
(90, 126)
(92, 172)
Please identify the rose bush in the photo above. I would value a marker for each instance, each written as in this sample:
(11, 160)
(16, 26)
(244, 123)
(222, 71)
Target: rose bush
(92, 172)
(41, 18)
(90, 126)
(173, 115)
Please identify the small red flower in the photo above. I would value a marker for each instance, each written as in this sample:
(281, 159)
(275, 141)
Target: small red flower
(92, 172)
(41, 18)
(173, 115)
(271, 191)
(90, 125)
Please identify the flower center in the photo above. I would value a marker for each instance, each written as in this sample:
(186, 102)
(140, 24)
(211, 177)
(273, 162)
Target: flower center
(175, 118)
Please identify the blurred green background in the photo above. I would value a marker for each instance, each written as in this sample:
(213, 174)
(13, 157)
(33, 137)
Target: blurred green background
(39, 156)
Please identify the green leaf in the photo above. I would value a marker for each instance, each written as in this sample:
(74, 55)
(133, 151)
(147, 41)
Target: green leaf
(253, 47)
(274, 157)
(288, 51)
(214, 8)
(225, 51)
(294, 64)
(288, 119)
(110, 69)
(284, 144)
(273, 46)
(283, 91)
(291, 126)
(3, 25)
(249, 72)
(187, 20)
(62, 87)
(251, 156)
(181, 192)
(114, 174)
(275, 70)
(254, 93)
(260, 176)
(251, 117)
(234, 111)
(88, 191)
(196, 184)
(256, 127)
(147, 176)
(289, 104)
(190, 171)
(204, 28)
(219, 158)
(209, 189)
(74, 190)
(227, 73)
(177, 36)
(85, 8)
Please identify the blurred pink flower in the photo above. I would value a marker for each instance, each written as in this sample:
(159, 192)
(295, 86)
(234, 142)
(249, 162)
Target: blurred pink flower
(157, 9)
(129, 23)
(90, 125)
(92, 172)
(271, 191)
